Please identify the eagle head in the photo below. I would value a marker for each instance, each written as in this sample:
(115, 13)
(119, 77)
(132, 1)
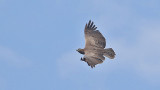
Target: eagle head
(81, 51)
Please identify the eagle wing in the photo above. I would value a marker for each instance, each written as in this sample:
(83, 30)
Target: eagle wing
(93, 57)
(93, 38)
(92, 61)
(94, 44)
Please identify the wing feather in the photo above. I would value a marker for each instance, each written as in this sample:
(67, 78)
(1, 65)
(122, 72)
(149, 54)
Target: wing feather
(93, 57)
(93, 38)
(92, 61)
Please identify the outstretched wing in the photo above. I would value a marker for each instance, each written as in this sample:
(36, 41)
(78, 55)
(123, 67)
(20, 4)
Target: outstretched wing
(93, 38)
(92, 61)
(93, 57)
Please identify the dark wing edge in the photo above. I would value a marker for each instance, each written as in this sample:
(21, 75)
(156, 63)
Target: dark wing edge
(90, 26)
(90, 31)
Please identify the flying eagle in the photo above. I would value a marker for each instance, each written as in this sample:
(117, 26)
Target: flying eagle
(95, 43)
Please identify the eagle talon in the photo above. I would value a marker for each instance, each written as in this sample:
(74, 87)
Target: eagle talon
(82, 59)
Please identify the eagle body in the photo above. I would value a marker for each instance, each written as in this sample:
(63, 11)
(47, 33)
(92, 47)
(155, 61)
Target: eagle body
(95, 43)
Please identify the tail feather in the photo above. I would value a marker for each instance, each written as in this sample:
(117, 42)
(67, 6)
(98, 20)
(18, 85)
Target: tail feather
(109, 52)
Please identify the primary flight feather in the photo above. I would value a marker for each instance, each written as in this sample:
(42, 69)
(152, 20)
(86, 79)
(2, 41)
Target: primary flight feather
(95, 43)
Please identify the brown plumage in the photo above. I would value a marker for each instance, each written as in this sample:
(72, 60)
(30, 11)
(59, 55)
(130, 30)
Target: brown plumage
(95, 43)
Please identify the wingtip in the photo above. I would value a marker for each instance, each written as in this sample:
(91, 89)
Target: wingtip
(95, 28)
(89, 22)
(90, 25)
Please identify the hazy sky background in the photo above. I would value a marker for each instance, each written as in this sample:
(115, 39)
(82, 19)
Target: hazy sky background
(38, 39)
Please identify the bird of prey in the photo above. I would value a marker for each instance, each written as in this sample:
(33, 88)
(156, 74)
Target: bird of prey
(95, 43)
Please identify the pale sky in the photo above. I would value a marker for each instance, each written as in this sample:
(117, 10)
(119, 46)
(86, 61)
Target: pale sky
(39, 38)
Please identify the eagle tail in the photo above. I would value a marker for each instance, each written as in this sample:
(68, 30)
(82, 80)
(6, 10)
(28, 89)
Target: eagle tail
(109, 52)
